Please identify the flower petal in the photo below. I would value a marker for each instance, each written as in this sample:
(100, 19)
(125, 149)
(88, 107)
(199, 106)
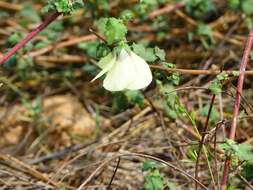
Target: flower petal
(120, 75)
(142, 75)
(103, 62)
(106, 63)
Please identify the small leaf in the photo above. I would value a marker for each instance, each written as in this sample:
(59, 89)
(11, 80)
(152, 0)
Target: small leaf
(89, 47)
(247, 6)
(135, 97)
(63, 6)
(146, 53)
(214, 113)
(154, 181)
(113, 29)
(244, 152)
(215, 87)
(234, 4)
(235, 73)
(160, 53)
(150, 166)
(171, 186)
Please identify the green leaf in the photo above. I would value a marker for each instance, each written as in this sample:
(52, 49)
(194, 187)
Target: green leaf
(146, 53)
(222, 76)
(215, 87)
(214, 113)
(247, 171)
(14, 38)
(147, 165)
(63, 6)
(135, 97)
(247, 6)
(29, 13)
(192, 154)
(248, 22)
(230, 187)
(90, 48)
(242, 151)
(205, 32)
(113, 29)
(171, 185)
(160, 53)
(234, 4)
(235, 73)
(126, 15)
(198, 8)
(119, 101)
(154, 181)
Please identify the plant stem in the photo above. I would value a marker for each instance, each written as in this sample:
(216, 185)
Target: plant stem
(203, 139)
(29, 37)
(236, 107)
(196, 71)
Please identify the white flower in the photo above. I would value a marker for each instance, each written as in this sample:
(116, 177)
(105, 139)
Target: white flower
(126, 71)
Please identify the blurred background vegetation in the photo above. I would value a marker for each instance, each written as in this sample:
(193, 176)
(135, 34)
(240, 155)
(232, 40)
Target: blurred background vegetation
(62, 127)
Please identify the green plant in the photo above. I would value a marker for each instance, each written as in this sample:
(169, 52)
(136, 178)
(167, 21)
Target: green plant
(198, 8)
(241, 151)
(216, 85)
(153, 178)
(246, 6)
(63, 6)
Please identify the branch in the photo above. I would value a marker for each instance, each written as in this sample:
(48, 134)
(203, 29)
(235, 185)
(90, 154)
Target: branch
(202, 141)
(29, 37)
(196, 71)
(236, 107)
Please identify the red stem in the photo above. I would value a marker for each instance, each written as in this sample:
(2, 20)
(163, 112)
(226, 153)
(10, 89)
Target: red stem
(29, 37)
(236, 107)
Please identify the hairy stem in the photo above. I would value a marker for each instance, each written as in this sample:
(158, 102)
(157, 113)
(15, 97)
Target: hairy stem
(236, 107)
(29, 37)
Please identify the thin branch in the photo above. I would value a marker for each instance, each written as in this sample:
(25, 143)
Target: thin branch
(143, 156)
(10, 6)
(114, 173)
(165, 10)
(29, 37)
(203, 139)
(196, 71)
(236, 107)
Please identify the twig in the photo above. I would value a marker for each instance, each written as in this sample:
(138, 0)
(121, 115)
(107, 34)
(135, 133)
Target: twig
(215, 149)
(97, 34)
(216, 34)
(236, 107)
(203, 139)
(29, 37)
(245, 181)
(61, 153)
(10, 6)
(114, 173)
(63, 44)
(13, 162)
(165, 10)
(143, 156)
(196, 71)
